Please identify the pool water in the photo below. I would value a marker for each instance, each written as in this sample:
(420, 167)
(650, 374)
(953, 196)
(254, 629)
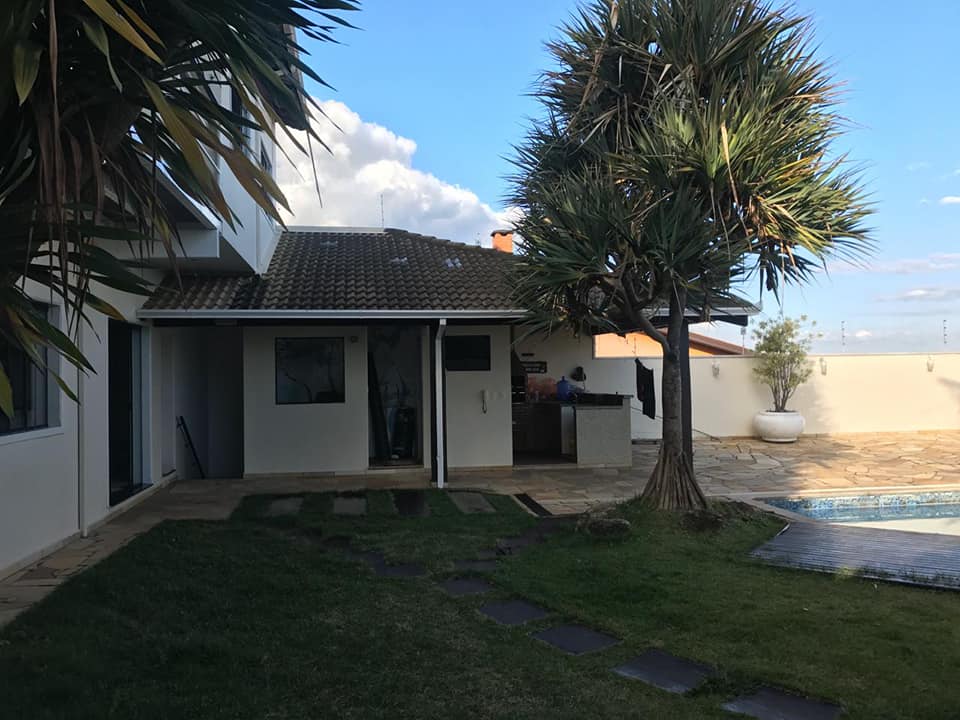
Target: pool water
(937, 512)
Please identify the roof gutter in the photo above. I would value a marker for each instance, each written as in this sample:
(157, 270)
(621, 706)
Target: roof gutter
(212, 314)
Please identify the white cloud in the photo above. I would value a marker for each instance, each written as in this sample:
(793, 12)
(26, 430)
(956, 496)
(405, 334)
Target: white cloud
(917, 166)
(950, 200)
(367, 162)
(926, 294)
(934, 262)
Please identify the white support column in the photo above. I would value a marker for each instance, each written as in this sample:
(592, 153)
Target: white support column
(440, 449)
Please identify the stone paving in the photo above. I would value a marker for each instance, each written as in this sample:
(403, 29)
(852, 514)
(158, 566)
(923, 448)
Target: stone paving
(747, 467)
(733, 468)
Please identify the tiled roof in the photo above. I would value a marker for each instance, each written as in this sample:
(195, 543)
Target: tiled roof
(354, 270)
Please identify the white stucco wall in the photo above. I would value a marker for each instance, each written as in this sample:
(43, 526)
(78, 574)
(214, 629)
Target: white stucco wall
(309, 438)
(475, 438)
(40, 504)
(38, 485)
(563, 353)
(858, 393)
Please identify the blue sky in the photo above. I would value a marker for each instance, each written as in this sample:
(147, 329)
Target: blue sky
(440, 89)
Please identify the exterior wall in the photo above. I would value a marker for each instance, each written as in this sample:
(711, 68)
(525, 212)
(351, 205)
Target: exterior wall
(56, 481)
(303, 439)
(475, 438)
(858, 393)
(38, 484)
(635, 345)
(254, 234)
(224, 386)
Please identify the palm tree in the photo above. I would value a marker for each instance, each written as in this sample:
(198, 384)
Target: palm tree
(686, 148)
(97, 97)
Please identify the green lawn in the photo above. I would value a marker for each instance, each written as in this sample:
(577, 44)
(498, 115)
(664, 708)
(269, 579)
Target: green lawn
(253, 619)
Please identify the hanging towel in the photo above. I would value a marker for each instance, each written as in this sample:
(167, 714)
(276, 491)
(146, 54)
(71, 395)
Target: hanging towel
(646, 392)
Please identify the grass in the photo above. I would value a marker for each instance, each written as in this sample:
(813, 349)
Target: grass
(252, 619)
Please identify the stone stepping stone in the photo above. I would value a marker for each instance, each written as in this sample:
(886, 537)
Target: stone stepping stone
(510, 545)
(532, 505)
(487, 555)
(337, 542)
(476, 565)
(411, 503)
(283, 506)
(553, 525)
(514, 612)
(665, 671)
(471, 503)
(405, 570)
(40, 572)
(576, 639)
(458, 587)
(773, 704)
(350, 505)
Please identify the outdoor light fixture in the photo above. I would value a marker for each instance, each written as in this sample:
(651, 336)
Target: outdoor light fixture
(929, 363)
(716, 368)
(823, 366)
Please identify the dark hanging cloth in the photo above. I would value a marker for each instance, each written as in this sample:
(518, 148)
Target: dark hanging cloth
(646, 392)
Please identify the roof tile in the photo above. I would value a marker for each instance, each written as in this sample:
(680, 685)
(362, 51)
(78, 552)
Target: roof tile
(346, 270)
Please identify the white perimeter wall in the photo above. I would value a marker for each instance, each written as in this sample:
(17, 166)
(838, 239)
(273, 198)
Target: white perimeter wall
(310, 438)
(475, 438)
(858, 393)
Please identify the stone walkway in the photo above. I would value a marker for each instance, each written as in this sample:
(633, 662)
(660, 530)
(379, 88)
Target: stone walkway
(654, 666)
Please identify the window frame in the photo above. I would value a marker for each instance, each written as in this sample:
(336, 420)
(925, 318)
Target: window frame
(338, 340)
(488, 342)
(41, 388)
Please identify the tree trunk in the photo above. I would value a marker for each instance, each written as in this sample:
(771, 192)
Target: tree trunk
(673, 485)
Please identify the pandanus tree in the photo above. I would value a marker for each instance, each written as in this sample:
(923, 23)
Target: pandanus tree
(98, 98)
(685, 151)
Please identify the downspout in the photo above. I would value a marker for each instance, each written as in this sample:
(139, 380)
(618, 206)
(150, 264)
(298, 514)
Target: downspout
(440, 446)
(81, 474)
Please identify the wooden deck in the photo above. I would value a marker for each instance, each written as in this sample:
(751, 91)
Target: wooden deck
(908, 557)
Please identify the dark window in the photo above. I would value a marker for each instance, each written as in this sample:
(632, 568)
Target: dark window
(467, 352)
(30, 389)
(236, 105)
(265, 163)
(309, 370)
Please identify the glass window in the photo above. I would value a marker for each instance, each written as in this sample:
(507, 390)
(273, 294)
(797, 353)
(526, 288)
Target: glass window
(30, 388)
(309, 370)
(467, 352)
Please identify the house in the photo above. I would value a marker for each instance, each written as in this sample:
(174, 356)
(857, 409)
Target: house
(66, 467)
(312, 351)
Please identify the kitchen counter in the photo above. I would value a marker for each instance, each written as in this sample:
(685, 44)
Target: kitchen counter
(592, 431)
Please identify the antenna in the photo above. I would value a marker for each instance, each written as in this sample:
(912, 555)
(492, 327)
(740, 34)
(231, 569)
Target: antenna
(383, 224)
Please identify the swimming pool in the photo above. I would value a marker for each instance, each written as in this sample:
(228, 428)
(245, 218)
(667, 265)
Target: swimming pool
(935, 512)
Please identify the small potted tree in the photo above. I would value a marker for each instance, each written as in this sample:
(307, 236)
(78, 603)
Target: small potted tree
(781, 355)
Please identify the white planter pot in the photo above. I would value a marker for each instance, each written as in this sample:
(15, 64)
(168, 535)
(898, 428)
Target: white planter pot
(782, 427)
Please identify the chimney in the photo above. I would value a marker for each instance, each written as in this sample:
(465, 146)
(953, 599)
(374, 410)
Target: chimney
(502, 240)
